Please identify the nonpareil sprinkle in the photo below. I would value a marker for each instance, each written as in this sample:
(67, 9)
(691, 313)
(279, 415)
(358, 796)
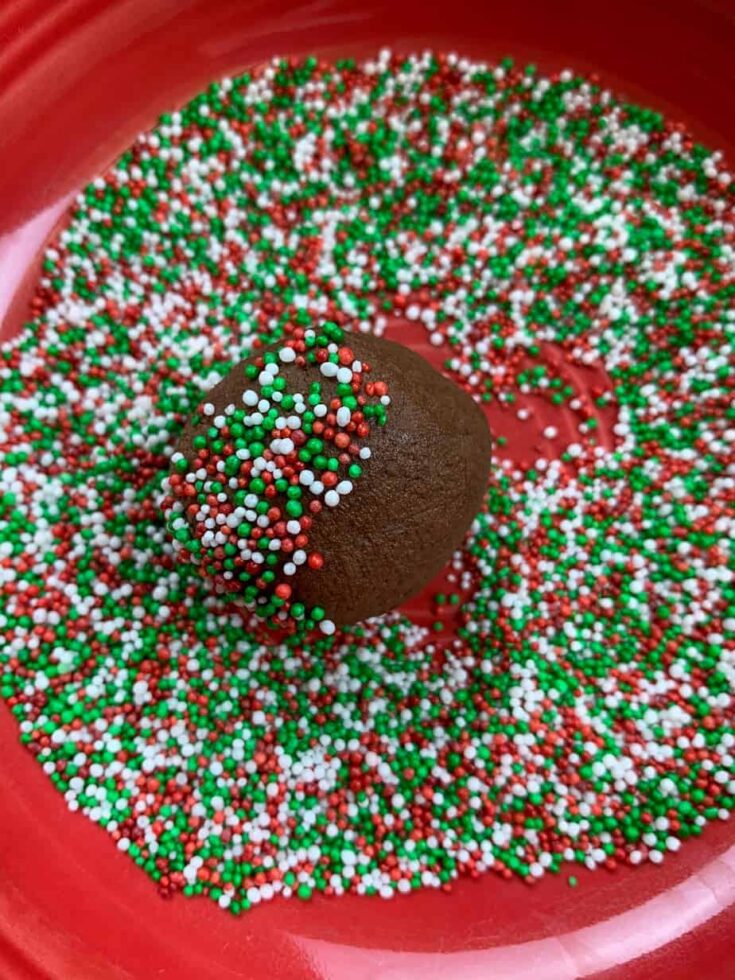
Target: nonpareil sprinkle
(581, 710)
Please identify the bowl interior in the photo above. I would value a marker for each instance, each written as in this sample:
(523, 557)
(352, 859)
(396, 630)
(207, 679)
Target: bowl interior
(79, 79)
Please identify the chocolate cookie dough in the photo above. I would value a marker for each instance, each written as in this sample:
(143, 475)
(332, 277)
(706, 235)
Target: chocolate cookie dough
(327, 478)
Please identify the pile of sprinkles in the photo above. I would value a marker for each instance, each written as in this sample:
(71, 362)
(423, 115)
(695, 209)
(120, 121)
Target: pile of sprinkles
(581, 710)
(238, 509)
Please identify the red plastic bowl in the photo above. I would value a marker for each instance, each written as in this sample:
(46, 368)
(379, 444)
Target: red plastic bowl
(78, 78)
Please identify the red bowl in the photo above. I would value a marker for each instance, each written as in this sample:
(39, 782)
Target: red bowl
(78, 80)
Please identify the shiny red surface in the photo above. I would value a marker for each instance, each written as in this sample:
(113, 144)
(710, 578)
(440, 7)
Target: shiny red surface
(78, 78)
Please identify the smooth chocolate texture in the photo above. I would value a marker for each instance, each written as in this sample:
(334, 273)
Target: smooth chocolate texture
(416, 497)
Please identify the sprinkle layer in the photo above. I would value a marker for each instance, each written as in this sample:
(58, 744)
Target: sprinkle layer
(580, 710)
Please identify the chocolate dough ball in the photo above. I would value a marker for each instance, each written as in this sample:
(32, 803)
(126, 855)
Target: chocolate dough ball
(373, 477)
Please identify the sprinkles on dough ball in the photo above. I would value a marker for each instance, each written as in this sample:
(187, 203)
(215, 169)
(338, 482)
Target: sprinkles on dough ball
(574, 705)
(225, 508)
